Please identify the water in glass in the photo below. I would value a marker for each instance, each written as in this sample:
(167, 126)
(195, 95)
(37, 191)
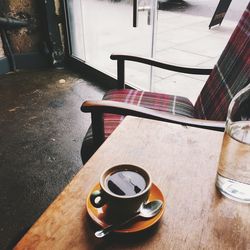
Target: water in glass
(233, 177)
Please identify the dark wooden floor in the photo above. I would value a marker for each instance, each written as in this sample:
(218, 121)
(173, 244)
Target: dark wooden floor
(41, 131)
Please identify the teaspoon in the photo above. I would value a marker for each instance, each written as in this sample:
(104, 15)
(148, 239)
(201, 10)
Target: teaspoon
(146, 210)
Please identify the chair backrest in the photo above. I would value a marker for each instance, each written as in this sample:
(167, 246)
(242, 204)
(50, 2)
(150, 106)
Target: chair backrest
(229, 75)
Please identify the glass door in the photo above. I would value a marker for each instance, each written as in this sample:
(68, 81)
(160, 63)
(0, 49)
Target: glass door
(75, 28)
(99, 28)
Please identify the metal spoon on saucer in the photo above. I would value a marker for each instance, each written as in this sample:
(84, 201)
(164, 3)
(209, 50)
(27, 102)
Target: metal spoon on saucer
(146, 210)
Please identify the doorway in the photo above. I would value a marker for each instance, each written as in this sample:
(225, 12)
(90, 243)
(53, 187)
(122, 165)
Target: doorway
(99, 28)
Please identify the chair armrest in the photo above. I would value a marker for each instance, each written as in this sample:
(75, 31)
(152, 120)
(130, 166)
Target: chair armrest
(160, 64)
(97, 108)
(121, 58)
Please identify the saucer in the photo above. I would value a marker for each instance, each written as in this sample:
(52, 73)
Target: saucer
(98, 214)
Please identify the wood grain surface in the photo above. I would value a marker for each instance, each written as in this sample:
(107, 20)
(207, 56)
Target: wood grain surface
(183, 163)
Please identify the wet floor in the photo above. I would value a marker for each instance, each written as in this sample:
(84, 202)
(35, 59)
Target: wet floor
(41, 131)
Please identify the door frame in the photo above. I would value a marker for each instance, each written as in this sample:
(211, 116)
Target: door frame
(76, 64)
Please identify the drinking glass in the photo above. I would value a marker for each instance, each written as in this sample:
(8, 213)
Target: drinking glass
(233, 176)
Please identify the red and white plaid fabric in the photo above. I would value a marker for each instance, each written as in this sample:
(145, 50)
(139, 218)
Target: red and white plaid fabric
(161, 102)
(229, 75)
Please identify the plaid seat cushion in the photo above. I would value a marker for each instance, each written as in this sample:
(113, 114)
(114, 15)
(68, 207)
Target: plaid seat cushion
(229, 75)
(161, 102)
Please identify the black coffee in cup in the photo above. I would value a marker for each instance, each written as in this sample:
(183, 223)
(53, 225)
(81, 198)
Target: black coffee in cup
(125, 183)
(123, 188)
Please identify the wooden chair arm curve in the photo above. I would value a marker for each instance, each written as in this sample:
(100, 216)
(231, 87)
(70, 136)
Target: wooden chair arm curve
(160, 64)
(104, 106)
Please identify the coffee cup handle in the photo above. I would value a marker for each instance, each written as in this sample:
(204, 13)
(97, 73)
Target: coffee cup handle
(93, 198)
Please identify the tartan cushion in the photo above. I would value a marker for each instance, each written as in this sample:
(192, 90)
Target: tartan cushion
(229, 75)
(161, 102)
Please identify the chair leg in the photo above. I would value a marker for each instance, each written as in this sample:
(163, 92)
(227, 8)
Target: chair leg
(97, 128)
(121, 74)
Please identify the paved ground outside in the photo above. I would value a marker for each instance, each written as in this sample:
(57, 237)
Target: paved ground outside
(206, 8)
(182, 38)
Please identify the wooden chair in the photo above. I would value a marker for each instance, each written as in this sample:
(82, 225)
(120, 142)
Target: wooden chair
(228, 76)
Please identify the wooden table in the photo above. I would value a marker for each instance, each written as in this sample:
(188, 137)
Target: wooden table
(183, 163)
